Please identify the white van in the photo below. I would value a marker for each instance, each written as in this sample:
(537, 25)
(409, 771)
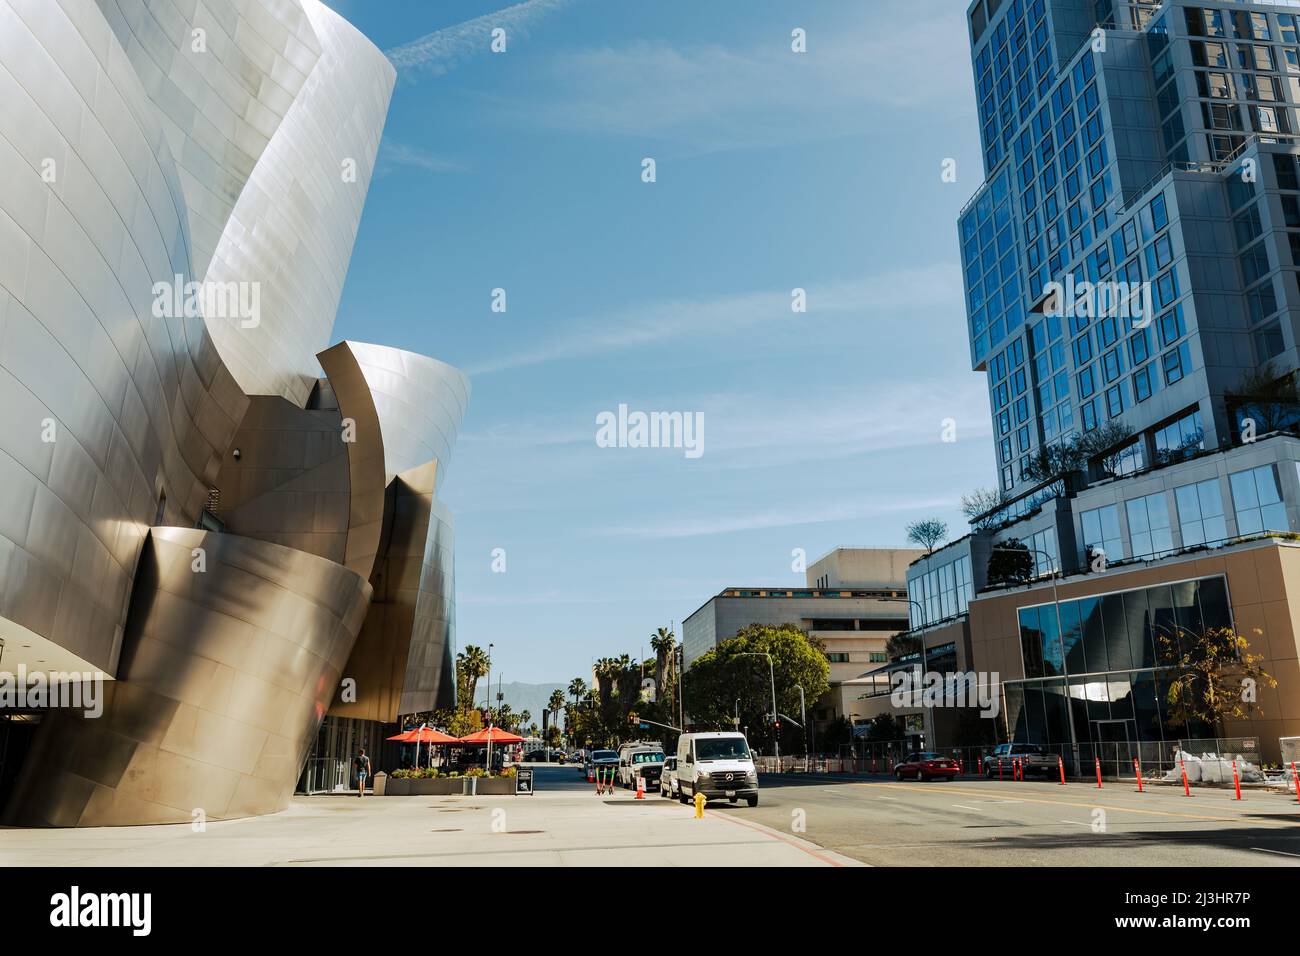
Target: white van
(718, 765)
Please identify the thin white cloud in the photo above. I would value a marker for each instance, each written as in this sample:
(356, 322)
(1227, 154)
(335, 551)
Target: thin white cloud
(392, 153)
(443, 50)
(708, 97)
(791, 516)
(937, 287)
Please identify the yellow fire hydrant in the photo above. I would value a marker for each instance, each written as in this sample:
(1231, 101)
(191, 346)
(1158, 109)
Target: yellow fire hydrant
(700, 801)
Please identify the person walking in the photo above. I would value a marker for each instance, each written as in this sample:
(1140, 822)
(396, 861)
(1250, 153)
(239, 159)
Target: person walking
(362, 764)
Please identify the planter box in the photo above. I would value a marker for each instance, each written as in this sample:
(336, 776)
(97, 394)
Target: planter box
(449, 786)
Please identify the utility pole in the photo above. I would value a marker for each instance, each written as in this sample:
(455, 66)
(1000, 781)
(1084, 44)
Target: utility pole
(776, 719)
(803, 716)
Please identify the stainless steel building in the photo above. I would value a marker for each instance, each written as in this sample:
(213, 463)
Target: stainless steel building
(199, 499)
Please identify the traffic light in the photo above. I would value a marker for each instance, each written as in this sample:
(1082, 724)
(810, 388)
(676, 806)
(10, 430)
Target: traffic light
(632, 719)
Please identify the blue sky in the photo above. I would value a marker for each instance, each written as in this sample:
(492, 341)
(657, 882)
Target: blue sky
(775, 170)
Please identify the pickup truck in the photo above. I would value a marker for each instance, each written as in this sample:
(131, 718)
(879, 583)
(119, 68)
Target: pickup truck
(1032, 757)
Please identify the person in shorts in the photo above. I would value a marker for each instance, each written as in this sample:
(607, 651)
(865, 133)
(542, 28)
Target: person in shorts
(362, 764)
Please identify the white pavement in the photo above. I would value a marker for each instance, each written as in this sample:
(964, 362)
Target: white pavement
(570, 826)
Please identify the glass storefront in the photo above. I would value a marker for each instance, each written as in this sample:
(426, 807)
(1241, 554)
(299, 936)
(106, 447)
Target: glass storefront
(328, 768)
(1095, 666)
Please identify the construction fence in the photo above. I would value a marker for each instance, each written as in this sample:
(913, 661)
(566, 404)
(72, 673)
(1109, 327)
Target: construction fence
(1116, 760)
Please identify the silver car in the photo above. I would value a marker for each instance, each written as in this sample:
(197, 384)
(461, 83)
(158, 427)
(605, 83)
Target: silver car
(668, 778)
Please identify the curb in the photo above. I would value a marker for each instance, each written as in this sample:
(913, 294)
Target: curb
(829, 857)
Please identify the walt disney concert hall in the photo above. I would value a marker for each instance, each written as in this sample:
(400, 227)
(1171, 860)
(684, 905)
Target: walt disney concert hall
(203, 497)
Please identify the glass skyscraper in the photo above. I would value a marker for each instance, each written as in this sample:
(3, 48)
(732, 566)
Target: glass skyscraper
(1150, 146)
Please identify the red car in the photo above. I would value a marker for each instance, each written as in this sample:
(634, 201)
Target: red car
(924, 765)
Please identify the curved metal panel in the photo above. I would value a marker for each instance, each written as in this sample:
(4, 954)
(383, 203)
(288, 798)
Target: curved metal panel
(420, 402)
(290, 483)
(106, 405)
(430, 680)
(402, 659)
(225, 678)
(366, 489)
(222, 74)
(293, 226)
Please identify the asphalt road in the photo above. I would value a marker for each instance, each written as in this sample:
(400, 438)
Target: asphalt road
(976, 822)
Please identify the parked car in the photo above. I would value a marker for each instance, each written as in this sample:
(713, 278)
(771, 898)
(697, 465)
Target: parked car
(1033, 758)
(640, 762)
(668, 778)
(718, 765)
(603, 760)
(924, 765)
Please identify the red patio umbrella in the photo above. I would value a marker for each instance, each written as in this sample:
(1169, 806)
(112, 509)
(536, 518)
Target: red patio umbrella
(492, 735)
(424, 735)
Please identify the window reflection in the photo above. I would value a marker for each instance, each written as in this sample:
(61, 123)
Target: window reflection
(1104, 669)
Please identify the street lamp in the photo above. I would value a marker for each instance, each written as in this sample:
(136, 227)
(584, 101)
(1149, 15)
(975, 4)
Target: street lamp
(489, 709)
(926, 717)
(1060, 634)
(776, 720)
(803, 716)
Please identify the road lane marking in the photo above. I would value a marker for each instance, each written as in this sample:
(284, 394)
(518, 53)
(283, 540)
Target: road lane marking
(964, 807)
(894, 799)
(1077, 823)
(1264, 849)
(1066, 803)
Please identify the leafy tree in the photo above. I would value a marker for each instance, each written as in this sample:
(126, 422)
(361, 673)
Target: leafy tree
(902, 645)
(980, 507)
(926, 533)
(836, 733)
(462, 723)
(721, 676)
(1010, 563)
(1213, 676)
(885, 728)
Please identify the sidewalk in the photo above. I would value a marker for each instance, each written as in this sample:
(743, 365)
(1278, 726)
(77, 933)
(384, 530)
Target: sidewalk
(558, 828)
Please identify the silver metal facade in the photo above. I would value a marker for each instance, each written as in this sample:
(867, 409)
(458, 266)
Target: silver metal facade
(130, 159)
(296, 219)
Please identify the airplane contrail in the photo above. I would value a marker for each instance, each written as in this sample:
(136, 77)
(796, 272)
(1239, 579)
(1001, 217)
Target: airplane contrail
(445, 49)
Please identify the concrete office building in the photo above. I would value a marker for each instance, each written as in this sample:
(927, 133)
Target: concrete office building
(1158, 151)
(853, 602)
(231, 520)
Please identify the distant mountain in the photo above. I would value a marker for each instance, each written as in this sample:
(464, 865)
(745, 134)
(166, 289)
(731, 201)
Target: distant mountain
(529, 697)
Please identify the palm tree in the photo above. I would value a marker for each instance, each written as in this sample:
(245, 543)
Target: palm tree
(606, 669)
(555, 704)
(471, 664)
(525, 717)
(577, 689)
(664, 643)
(628, 673)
